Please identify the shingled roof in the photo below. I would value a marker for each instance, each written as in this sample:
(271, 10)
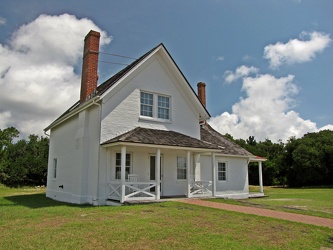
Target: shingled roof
(208, 134)
(210, 139)
(161, 137)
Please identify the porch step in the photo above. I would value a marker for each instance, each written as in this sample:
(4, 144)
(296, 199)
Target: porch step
(113, 203)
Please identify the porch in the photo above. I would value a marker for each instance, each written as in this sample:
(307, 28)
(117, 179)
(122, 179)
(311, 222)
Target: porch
(139, 167)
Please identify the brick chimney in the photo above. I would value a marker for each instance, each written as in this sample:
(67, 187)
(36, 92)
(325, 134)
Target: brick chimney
(89, 65)
(202, 93)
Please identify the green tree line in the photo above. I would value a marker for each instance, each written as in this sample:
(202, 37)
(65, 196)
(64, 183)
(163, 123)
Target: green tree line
(23, 162)
(307, 161)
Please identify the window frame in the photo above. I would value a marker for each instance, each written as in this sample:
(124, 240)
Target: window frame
(128, 168)
(55, 165)
(161, 107)
(223, 172)
(181, 170)
(156, 107)
(142, 104)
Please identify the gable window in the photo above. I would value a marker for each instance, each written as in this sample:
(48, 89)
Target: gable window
(127, 166)
(146, 101)
(155, 106)
(181, 168)
(55, 163)
(163, 107)
(222, 171)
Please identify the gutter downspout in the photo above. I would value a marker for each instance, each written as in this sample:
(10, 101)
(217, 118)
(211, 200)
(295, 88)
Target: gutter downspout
(46, 133)
(95, 200)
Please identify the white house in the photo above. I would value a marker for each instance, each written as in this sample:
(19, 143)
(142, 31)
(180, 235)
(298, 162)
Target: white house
(142, 134)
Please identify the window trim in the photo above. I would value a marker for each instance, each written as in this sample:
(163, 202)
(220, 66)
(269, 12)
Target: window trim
(147, 105)
(183, 168)
(155, 107)
(55, 165)
(225, 171)
(163, 108)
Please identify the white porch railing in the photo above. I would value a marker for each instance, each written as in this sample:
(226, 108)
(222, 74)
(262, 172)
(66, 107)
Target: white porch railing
(133, 190)
(201, 188)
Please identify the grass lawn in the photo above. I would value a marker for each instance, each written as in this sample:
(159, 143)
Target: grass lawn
(309, 201)
(28, 220)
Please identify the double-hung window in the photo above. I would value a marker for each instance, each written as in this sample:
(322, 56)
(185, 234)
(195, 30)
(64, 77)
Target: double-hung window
(155, 106)
(222, 171)
(127, 165)
(163, 107)
(147, 101)
(181, 168)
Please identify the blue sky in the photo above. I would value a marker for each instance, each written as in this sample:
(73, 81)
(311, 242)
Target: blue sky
(267, 64)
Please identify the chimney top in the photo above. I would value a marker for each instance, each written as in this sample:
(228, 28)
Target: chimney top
(202, 93)
(89, 65)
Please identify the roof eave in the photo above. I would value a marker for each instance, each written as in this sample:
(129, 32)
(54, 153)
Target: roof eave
(195, 96)
(129, 72)
(257, 159)
(138, 144)
(73, 112)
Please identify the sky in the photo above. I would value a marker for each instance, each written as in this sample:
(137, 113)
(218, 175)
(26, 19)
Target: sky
(267, 64)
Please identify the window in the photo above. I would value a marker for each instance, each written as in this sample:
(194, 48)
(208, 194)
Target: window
(127, 165)
(146, 101)
(221, 171)
(55, 162)
(163, 107)
(181, 168)
(155, 106)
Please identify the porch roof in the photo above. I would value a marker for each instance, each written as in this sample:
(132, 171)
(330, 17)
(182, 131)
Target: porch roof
(162, 137)
(227, 147)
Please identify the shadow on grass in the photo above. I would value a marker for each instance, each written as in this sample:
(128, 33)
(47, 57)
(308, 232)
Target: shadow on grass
(36, 201)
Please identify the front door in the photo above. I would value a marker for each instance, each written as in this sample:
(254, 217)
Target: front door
(152, 160)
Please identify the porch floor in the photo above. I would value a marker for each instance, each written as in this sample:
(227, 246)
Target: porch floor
(224, 195)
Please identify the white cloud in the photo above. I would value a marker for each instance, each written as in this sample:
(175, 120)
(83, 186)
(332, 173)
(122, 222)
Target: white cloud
(297, 50)
(265, 112)
(240, 72)
(327, 127)
(220, 58)
(2, 21)
(247, 58)
(37, 77)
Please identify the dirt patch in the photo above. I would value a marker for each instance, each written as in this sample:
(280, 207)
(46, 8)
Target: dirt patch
(247, 203)
(283, 199)
(302, 208)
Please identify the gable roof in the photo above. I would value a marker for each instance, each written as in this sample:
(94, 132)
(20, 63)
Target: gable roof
(208, 134)
(161, 137)
(102, 88)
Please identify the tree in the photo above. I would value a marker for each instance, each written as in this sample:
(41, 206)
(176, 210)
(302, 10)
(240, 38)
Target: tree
(23, 162)
(6, 139)
(309, 160)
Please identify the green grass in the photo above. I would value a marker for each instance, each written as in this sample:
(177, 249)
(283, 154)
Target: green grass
(309, 201)
(28, 220)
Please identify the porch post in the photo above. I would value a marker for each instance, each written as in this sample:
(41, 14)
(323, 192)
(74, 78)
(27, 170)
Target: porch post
(197, 168)
(122, 173)
(260, 177)
(213, 175)
(188, 171)
(158, 173)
